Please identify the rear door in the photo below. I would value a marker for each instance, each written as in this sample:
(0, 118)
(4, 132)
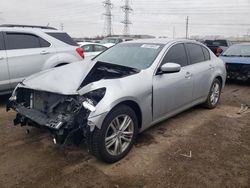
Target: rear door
(26, 55)
(199, 58)
(173, 91)
(4, 70)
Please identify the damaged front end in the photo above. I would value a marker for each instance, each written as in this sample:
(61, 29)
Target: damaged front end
(65, 116)
(238, 71)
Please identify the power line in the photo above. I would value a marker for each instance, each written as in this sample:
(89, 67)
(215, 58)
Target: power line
(108, 17)
(126, 8)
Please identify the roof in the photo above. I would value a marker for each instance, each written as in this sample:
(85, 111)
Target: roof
(86, 43)
(27, 26)
(160, 41)
(10, 27)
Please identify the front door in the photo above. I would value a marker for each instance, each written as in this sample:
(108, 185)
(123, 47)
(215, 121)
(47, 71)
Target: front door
(172, 91)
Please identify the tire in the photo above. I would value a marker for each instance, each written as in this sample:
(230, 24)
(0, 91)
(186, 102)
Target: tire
(104, 143)
(214, 94)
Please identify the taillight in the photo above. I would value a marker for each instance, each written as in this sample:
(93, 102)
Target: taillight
(80, 51)
(218, 51)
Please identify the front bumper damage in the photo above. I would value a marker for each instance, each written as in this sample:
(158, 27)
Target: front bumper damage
(238, 71)
(65, 116)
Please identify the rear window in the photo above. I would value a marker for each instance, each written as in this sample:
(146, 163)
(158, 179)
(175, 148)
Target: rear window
(64, 37)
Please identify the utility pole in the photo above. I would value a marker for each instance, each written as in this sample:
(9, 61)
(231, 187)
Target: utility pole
(126, 8)
(187, 27)
(174, 32)
(61, 26)
(108, 17)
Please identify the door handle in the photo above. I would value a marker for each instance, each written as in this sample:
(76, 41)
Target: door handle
(1, 58)
(44, 53)
(188, 75)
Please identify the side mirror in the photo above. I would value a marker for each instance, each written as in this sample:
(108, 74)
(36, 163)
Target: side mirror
(170, 68)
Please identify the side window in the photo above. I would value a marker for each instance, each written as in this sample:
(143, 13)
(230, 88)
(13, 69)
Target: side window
(99, 48)
(44, 43)
(206, 54)
(195, 53)
(21, 41)
(1, 41)
(119, 40)
(64, 37)
(176, 54)
(87, 48)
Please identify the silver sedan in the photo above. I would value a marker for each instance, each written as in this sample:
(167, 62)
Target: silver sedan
(128, 88)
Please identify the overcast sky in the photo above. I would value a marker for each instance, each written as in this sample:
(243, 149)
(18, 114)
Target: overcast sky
(155, 17)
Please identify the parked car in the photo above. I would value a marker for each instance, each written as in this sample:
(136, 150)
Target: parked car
(115, 40)
(93, 49)
(25, 50)
(123, 91)
(218, 46)
(237, 60)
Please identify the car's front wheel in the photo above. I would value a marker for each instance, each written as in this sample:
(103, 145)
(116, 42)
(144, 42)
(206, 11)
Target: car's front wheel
(214, 94)
(116, 137)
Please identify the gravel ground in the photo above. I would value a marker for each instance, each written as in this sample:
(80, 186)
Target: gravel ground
(198, 148)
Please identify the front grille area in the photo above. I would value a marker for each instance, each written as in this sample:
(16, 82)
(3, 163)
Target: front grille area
(236, 67)
(39, 100)
(238, 71)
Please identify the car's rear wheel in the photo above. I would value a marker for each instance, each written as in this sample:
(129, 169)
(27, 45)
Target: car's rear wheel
(214, 94)
(116, 137)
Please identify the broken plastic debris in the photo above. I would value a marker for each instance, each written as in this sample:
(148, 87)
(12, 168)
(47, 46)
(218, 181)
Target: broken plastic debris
(188, 156)
(243, 108)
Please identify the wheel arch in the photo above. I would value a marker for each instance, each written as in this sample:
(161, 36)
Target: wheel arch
(135, 107)
(220, 79)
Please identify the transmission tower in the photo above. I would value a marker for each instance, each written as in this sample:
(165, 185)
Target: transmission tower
(127, 10)
(108, 17)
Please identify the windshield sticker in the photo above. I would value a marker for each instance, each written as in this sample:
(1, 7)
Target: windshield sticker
(151, 46)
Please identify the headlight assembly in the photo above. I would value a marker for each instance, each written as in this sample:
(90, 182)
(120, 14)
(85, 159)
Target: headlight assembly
(92, 98)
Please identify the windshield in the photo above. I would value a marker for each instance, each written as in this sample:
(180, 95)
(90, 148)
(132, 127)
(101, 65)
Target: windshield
(219, 43)
(135, 55)
(238, 50)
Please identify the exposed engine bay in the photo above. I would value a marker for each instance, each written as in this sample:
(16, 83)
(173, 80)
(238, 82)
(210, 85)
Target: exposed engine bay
(103, 70)
(62, 115)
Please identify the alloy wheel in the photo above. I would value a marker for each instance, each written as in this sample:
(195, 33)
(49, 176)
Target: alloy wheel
(119, 134)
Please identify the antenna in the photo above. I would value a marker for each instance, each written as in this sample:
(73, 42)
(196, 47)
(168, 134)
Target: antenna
(108, 17)
(127, 10)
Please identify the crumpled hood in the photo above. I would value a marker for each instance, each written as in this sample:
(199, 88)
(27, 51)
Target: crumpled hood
(64, 80)
(239, 60)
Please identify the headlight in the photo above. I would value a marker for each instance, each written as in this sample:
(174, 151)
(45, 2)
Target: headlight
(92, 98)
(88, 105)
